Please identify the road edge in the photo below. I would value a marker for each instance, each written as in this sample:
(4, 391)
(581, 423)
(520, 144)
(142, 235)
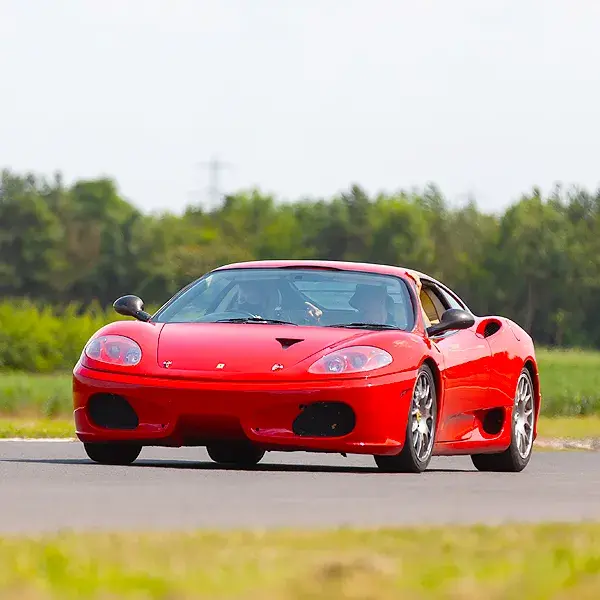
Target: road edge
(568, 444)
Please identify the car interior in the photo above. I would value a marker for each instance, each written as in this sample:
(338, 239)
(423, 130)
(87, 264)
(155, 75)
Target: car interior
(432, 307)
(277, 294)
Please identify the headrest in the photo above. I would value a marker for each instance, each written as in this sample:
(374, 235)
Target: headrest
(365, 292)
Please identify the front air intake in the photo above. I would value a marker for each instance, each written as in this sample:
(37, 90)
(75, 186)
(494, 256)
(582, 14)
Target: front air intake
(111, 411)
(324, 419)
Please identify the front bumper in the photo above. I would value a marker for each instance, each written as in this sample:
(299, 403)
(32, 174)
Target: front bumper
(174, 412)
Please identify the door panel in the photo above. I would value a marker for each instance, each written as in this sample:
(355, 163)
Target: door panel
(505, 364)
(467, 359)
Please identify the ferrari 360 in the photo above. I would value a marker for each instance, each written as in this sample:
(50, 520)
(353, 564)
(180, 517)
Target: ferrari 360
(317, 356)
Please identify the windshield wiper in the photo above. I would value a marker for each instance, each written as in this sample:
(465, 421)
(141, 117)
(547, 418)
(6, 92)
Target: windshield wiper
(255, 320)
(364, 325)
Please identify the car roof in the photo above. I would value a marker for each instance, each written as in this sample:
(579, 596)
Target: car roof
(383, 269)
(323, 264)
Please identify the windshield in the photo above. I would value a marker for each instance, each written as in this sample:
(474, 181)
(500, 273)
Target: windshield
(296, 296)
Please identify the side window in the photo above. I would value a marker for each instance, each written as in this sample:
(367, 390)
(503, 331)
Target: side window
(449, 299)
(442, 301)
(432, 305)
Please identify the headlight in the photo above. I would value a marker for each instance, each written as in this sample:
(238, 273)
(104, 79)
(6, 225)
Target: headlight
(114, 350)
(356, 359)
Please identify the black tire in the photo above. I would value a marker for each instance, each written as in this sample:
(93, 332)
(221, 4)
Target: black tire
(113, 453)
(239, 454)
(409, 461)
(510, 460)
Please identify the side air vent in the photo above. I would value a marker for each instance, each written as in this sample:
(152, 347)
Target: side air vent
(287, 342)
(493, 421)
(491, 328)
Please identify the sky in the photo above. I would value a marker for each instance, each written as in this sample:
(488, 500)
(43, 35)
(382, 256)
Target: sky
(303, 98)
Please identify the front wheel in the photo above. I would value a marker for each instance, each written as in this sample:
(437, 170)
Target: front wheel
(420, 429)
(240, 454)
(517, 456)
(112, 453)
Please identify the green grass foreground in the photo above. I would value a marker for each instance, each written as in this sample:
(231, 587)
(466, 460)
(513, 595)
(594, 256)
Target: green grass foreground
(529, 562)
(570, 428)
(570, 382)
(18, 427)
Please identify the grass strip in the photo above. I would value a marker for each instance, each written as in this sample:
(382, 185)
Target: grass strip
(529, 562)
(570, 382)
(36, 428)
(571, 428)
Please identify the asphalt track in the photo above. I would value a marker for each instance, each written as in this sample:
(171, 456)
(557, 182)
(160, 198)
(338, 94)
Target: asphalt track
(47, 486)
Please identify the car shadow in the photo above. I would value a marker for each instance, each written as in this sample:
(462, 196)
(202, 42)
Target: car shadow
(210, 466)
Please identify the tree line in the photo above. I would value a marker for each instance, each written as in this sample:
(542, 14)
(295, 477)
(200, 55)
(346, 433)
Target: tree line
(538, 262)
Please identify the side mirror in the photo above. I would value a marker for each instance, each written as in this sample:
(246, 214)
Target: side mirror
(453, 318)
(131, 306)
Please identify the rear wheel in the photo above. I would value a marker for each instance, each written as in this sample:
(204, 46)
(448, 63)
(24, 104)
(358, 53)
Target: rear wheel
(240, 454)
(113, 453)
(420, 429)
(517, 456)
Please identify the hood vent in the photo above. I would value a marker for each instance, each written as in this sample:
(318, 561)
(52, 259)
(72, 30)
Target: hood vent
(287, 342)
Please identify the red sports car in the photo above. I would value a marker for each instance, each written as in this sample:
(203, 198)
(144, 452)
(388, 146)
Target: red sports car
(317, 356)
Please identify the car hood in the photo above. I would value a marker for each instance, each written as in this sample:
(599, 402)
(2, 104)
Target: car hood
(248, 348)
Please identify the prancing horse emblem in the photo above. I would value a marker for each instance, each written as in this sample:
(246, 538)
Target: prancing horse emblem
(276, 367)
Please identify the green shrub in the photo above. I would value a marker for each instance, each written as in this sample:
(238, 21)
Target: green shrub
(40, 339)
(36, 396)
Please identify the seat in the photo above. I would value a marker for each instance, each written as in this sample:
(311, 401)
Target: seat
(430, 313)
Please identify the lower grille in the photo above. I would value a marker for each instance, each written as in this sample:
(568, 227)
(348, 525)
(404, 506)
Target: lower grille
(324, 419)
(111, 411)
